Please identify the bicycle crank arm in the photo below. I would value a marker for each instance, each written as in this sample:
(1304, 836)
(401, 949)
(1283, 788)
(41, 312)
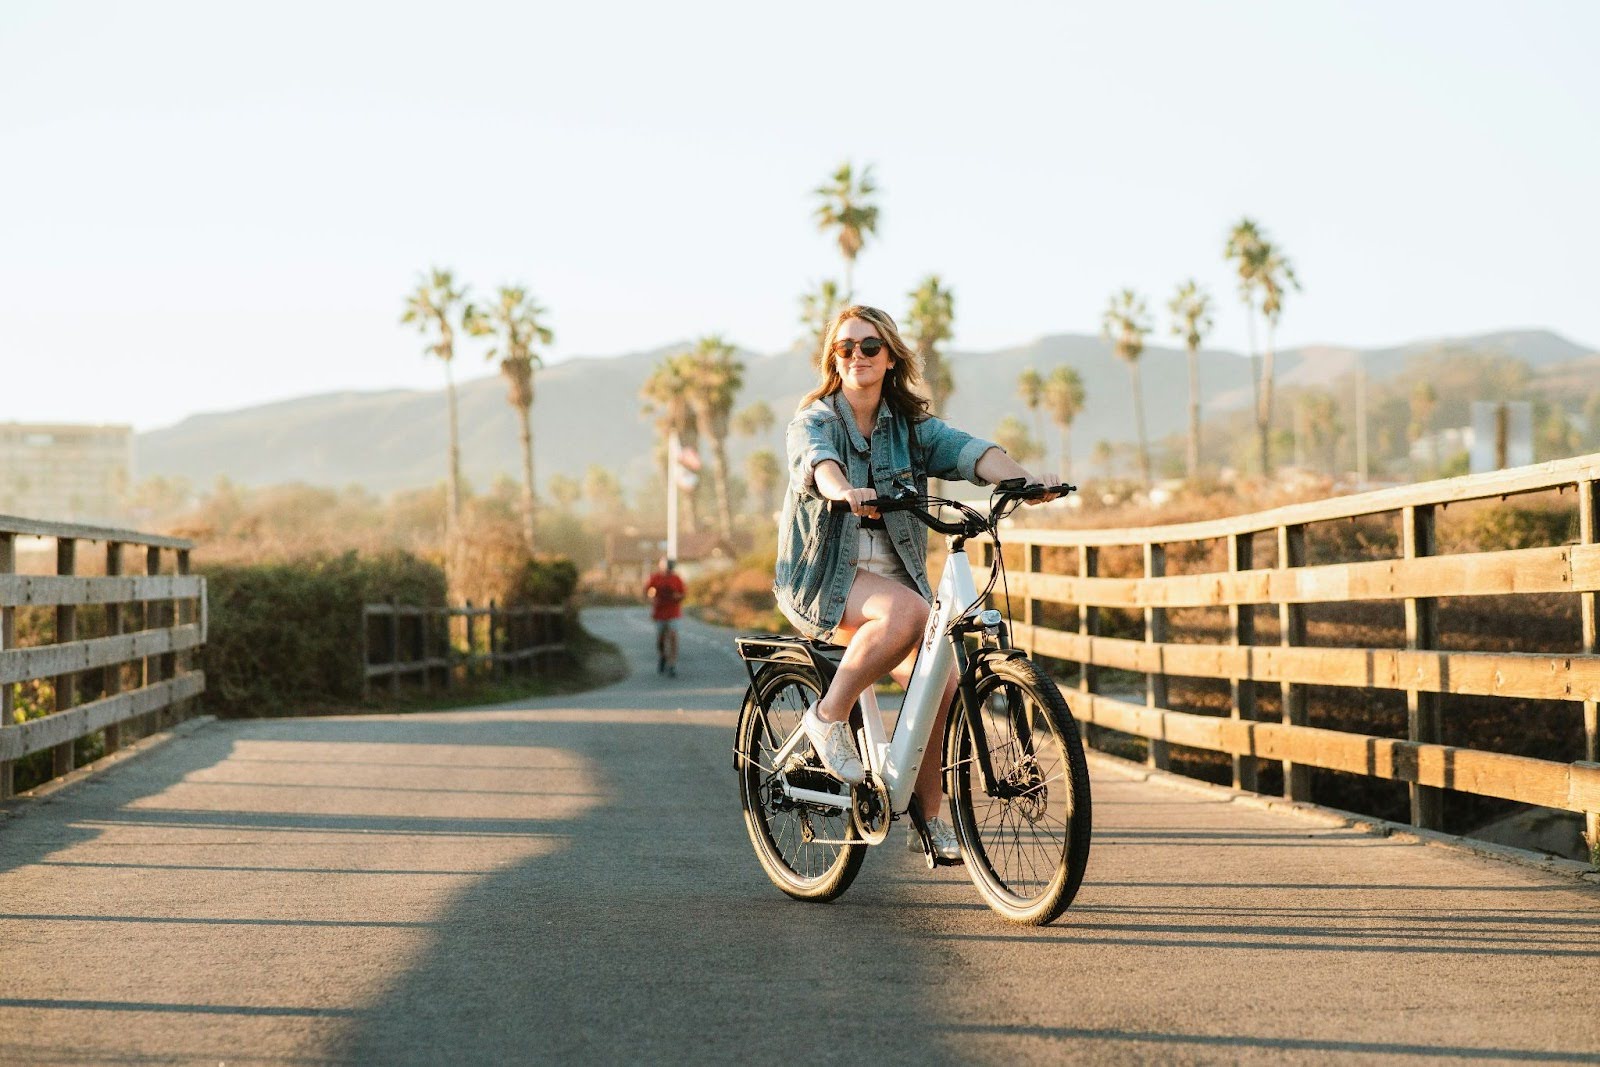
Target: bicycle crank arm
(816, 796)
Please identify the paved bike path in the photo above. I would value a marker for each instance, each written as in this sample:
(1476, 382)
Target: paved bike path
(569, 881)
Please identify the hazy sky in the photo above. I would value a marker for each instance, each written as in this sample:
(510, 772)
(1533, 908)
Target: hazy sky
(205, 206)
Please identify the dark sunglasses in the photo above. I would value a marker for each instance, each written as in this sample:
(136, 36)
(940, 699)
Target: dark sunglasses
(869, 347)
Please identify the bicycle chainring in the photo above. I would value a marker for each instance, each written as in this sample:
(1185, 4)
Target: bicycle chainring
(870, 810)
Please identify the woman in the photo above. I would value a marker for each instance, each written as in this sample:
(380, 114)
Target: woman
(861, 579)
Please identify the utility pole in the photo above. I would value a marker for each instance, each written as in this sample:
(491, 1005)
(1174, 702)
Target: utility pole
(672, 496)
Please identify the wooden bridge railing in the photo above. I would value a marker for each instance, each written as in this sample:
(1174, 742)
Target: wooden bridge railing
(403, 639)
(122, 639)
(1418, 577)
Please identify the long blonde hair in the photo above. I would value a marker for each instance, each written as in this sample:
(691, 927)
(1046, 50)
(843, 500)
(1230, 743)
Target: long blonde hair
(900, 382)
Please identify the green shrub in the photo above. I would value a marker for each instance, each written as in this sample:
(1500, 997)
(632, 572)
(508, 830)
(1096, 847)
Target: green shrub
(286, 635)
(543, 581)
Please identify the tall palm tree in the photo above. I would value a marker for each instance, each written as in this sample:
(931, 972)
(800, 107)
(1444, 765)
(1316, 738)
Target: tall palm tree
(1126, 323)
(1191, 320)
(1030, 386)
(1064, 396)
(817, 309)
(434, 307)
(929, 324)
(666, 395)
(754, 420)
(514, 323)
(846, 207)
(1274, 276)
(715, 377)
(1244, 248)
(1424, 401)
(1013, 436)
(762, 470)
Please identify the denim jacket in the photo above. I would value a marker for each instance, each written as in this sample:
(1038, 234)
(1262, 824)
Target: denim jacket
(817, 547)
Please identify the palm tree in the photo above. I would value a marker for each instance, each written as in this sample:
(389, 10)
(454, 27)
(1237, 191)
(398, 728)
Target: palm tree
(846, 208)
(754, 420)
(1126, 323)
(1274, 275)
(928, 325)
(1013, 436)
(514, 323)
(566, 491)
(1191, 320)
(666, 395)
(715, 377)
(1030, 386)
(817, 309)
(1064, 396)
(1244, 248)
(1424, 400)
(433, 308)
(762, 470)
(1104, 453)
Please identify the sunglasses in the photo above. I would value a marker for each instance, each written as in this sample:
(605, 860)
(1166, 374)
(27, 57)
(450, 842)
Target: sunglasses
(868, 347)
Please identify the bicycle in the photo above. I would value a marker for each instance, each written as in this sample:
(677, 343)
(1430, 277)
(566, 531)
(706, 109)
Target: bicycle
(1013, 760)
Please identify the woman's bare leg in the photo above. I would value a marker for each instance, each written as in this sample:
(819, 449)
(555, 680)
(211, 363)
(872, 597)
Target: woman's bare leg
(882, 623)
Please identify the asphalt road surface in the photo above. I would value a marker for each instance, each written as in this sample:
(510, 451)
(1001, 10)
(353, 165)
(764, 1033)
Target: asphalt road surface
(569, 881)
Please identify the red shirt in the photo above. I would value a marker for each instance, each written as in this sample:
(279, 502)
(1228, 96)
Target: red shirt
(666, 594)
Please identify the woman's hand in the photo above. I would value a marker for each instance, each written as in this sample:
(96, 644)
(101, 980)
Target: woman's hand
(857, 499)
(1046, 479)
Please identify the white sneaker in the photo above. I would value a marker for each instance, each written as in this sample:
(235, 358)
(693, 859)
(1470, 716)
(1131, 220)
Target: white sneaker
(832, 742)
(945, 845)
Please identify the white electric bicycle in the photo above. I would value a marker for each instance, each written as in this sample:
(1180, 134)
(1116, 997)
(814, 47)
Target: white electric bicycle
(1013, 760)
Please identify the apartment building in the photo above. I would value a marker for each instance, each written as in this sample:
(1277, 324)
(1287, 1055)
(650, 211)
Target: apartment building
(63, 472)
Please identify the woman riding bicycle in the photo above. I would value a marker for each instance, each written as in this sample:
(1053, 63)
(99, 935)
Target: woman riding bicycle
(860, 578)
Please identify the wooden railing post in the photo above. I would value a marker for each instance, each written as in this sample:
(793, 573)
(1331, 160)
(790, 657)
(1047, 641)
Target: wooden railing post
(1088, 619)
(1292, 631)
(1589, 533)
(150, 619)
(1155, 632)
(449, 644)
(472, 644)
(366, 649)
(1242, 623)
(494, 638)
(180, 612)
(394, 646)
(1032, 563)
(63, 758)
(1422, 632)
(8, 639)
(111, 677)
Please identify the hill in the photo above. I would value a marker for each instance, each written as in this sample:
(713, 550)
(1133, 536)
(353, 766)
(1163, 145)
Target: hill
(587, 410)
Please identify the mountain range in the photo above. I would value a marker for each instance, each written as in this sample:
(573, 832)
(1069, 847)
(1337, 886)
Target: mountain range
(587, 410)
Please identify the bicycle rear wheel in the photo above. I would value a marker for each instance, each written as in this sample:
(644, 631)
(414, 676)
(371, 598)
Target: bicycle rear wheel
(1025, 846)
(809, 851)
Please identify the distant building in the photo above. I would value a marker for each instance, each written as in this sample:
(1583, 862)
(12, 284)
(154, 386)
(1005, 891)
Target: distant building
(65, 473)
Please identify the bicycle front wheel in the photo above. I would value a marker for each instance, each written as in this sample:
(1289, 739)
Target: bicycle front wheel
(809, 851)
(1026, 843)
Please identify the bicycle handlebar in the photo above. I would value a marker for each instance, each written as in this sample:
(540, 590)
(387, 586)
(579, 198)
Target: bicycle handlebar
(915, 505)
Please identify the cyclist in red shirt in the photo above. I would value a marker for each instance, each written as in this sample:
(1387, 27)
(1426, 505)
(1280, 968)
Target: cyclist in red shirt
(665, 590)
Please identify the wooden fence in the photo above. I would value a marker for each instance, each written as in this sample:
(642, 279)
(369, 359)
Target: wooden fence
(401, 640)
(118, 648)
(1417, 578)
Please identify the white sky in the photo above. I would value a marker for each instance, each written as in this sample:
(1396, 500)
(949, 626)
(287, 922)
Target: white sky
(205, 206)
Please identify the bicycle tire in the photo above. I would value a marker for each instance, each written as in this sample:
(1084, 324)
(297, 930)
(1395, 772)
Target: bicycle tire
(1026, 853)
(789, 838)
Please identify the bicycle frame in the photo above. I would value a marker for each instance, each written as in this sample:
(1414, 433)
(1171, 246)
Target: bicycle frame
(895, 760)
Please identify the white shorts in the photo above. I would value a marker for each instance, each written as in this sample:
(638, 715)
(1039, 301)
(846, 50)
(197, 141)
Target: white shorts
(877, 556)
